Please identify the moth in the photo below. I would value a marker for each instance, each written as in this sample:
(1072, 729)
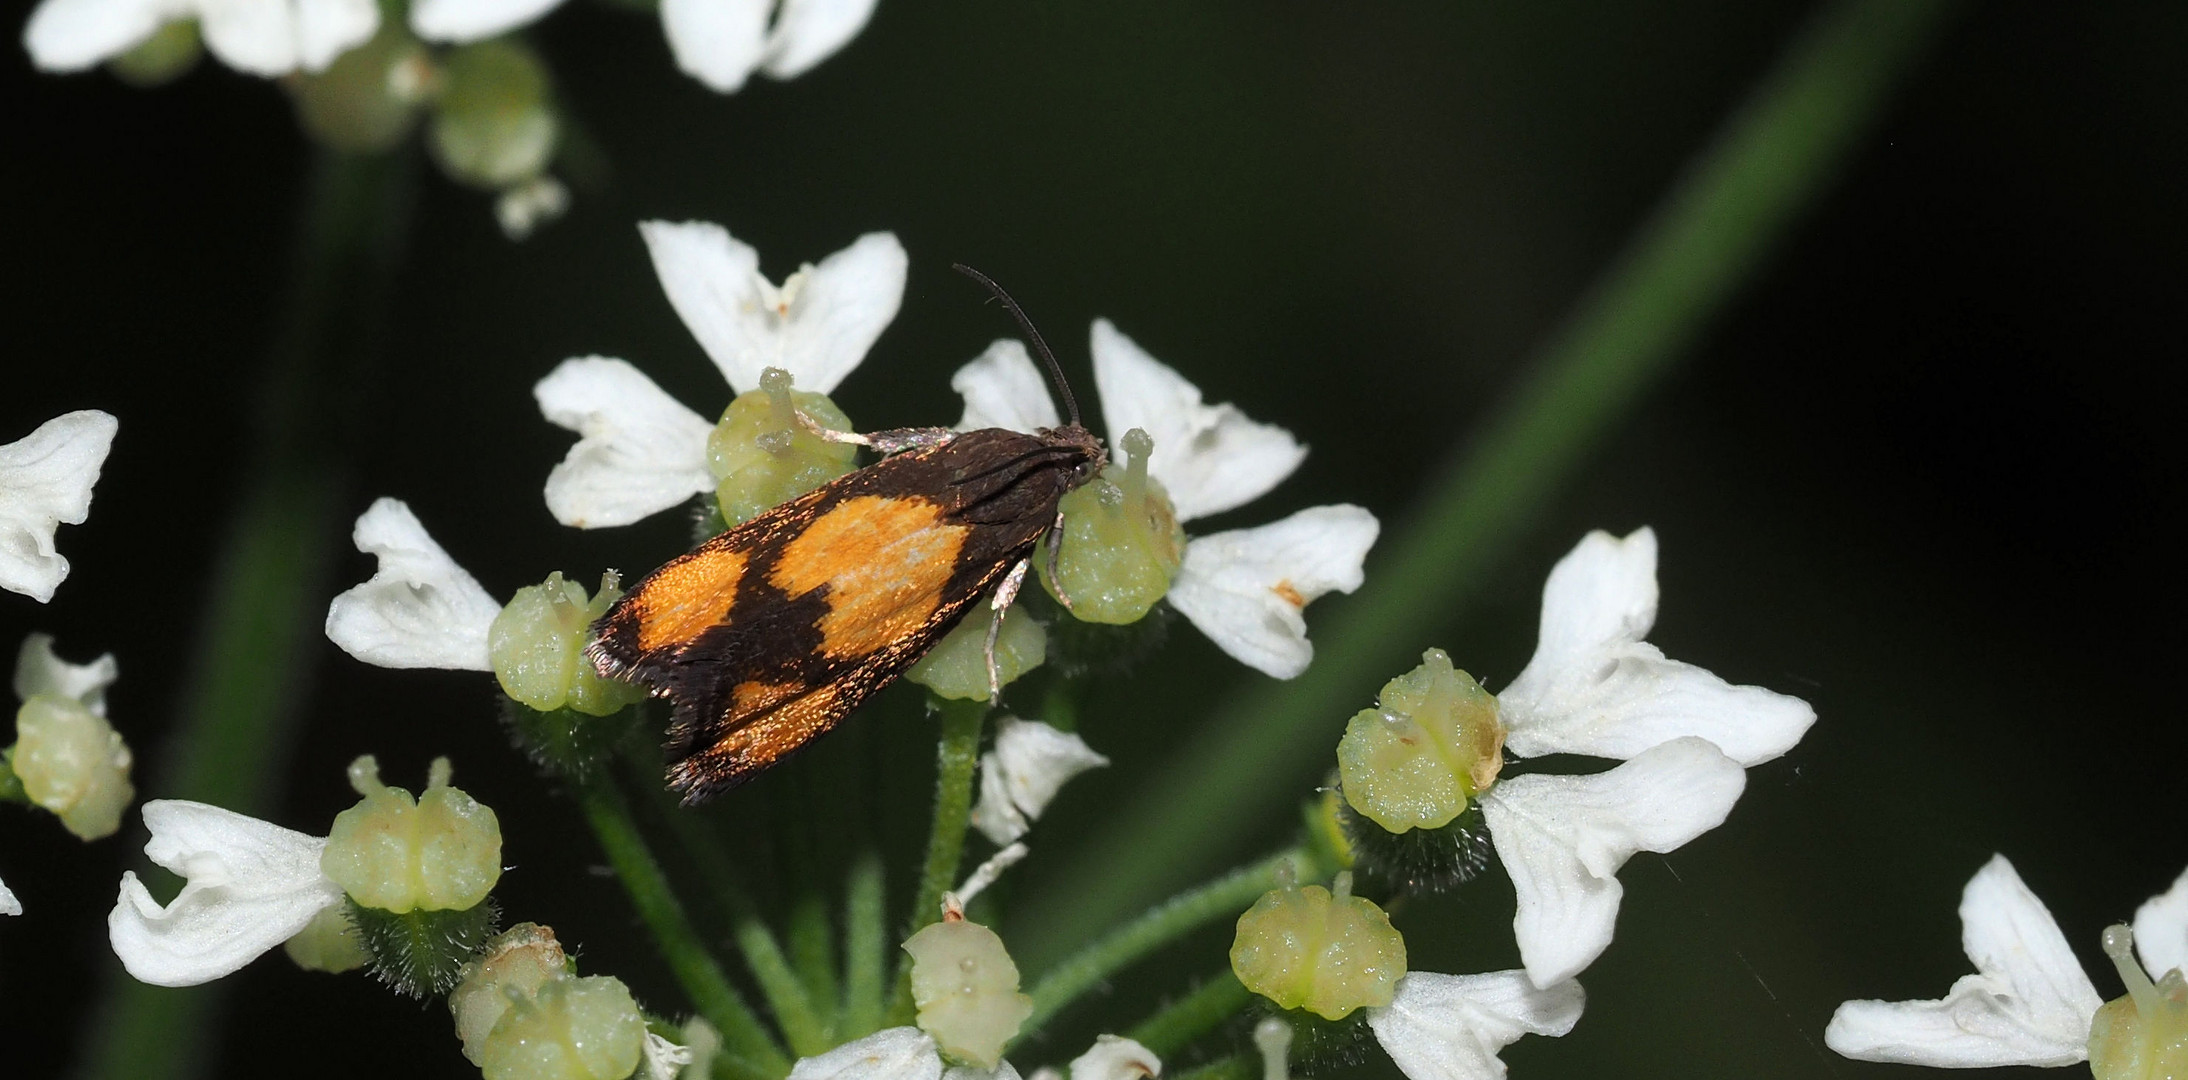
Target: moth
(767, 635)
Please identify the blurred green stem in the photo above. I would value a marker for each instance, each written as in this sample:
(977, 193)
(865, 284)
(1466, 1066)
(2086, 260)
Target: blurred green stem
(865, 948)
(1235, 1067)
(1740, 196)
(957, 758)
(687, 954)
(1195, 1014)
(258, 637)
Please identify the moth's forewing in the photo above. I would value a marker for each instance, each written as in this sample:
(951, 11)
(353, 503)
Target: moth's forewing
(765, 636)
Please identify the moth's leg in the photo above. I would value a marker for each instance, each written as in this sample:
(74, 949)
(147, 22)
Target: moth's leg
(1005, 595)
(887, 441)
(1055, 544)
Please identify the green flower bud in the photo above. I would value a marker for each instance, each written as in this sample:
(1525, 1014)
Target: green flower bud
(515, 965)
(368, 99)
(167, 55)
(571, 1029)
(494, 125)
(957, 667)
(1329, 953)
(966, 988)
(1326, 830)
(70, 761)
(1121, 545)
(761, 456)
(329, 942)
(537, 647)
(438, 852)
(2142, 1035)
(1431, 745)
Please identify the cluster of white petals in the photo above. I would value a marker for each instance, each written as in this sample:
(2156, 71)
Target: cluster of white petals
(1246, 588)
(907, 1053)
(45, 481)
(719, 42)
(640, 451)
(1451, 1027)
(1019, 778)
(1594, 687)
(420, 609)
(258, 37)
(2029, 1002)
(248, 886)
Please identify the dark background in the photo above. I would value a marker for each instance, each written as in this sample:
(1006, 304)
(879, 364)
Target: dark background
(1916, 473)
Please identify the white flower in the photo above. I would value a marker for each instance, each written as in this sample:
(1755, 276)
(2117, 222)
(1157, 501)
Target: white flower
(719, 42)
(1030, 763)
(9, 905)
(898, 1053)
(640, 451)
(69, 760)
(2161, 930)
(1246, 588)
(1113, 1057)
(258, 37)
(420, 609)
(1595, 688)
(2029, 1002)
(664, 1059)
(45, 480)
(249, 885)
(1450, 1027)
(39, 671)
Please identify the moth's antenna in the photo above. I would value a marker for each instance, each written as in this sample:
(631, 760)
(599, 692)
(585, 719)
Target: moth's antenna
(1055, 370)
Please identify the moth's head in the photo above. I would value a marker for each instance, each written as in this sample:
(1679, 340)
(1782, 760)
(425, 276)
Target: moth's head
(1089, 454)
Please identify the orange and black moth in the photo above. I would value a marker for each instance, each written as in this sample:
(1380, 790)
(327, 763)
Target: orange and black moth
(766, 636)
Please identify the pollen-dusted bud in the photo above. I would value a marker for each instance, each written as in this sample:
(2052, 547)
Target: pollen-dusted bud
(1122, 544)
(1328, 952)
(438, 852)
(957, 667)
(494, 124)
(368, 99)
(760, 455)
(966, 988)
(537, 647)
(2143, 1034)
(572, 1028)
(514, 966)
(1432, 743)
(72, 762)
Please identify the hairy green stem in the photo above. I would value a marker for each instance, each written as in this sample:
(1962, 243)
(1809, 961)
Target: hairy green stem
(1194, 1015)
(957, 759)
(1235, 1067)
(1740, 196)
(687, 954)
(813, 956)
(865, 948)
(1181, 914)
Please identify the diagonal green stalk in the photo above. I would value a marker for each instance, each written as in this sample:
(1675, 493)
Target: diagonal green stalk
(687, 954)
(865, 948)
(1194, 1015)
(1235, 1067)
(1181, 914)
(957, 758)
(258, 634)
(1739, 197)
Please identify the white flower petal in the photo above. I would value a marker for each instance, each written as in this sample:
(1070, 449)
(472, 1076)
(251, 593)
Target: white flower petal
(639, 451)
(2161, 930)
(1594, 687)
(275, 37)
(1003, 389)
(1113, 1057)
(1210, 458)
(464, 21)
(2029, 1003)
(72, 35)
(898, 1053)
(817, 325)
(1246, 589)
(420, 610)
(9, 905)
(39, 671)
(664, 1059)
(1030, 763)
(250, 886)
(45, 481)
(717, 42)
(1563, 838)
(810, 31)
(1450, 1027)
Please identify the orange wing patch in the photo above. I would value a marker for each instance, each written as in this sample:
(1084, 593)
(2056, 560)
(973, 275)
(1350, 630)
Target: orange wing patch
(687, 597)
(791, 722)
(886, 561)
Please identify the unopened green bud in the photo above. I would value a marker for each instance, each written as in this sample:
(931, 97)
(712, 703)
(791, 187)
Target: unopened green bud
(438, 852)
(513, 968)
(1325, 829)
(966, 988)
(1432, 743)
(761, 456)
(537, 647)
(957, 667)
(1310, 948)
(573, 1028)
(1122, 544)
(167, 55)
(70, 761)
(368, 99)
(2142, 1035)
(494, 125)
(329, 942)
